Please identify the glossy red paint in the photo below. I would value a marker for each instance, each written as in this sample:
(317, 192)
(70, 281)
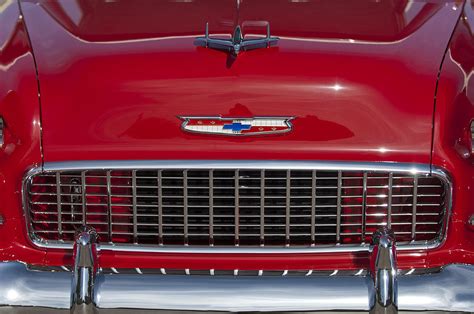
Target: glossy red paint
(454, 112)
(113, 83)
(114, 92)
(19, 107)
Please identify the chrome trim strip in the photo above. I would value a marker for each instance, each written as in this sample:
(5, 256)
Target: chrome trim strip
(448, 290)
(412, 168)
(236, 250)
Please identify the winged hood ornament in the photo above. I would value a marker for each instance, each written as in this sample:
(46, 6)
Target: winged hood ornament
(237, 43)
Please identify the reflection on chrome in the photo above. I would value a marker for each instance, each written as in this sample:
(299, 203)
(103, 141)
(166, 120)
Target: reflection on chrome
(85, 268)
(384, 272)
(449, 289)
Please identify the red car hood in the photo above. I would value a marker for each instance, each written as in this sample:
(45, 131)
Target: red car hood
(358, 76)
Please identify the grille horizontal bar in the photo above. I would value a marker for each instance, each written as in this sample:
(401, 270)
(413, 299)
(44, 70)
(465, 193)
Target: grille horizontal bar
(236, 207)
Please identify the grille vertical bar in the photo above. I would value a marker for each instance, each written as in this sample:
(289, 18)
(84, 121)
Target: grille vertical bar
(237, 207)
(288, 208)
(185, 206)
(84, 197)
(109, 207)
(58, 204)
(236, 213)
(211, 207)
(389, 201)
(413, 215)
(313, 207)
(134, 208)
(364, 206)
(339, 207)
(160, 208)
(262, 207)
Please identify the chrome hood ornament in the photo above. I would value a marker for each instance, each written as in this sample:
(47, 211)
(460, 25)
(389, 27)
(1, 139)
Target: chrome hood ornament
(237, 126)
(237, 43)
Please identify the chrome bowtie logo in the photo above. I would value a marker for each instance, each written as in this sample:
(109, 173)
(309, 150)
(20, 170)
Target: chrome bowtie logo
(237, 126)
(237, 43)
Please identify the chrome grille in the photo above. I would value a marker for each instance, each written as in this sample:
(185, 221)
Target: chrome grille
(225, 207)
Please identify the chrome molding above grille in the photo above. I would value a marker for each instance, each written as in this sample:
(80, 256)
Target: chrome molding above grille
(416, 170)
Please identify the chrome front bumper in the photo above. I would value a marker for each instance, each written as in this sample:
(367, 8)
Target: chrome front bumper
(86, 290)
(452, 289)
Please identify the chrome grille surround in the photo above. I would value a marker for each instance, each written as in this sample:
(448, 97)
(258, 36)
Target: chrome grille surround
(365, 171)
